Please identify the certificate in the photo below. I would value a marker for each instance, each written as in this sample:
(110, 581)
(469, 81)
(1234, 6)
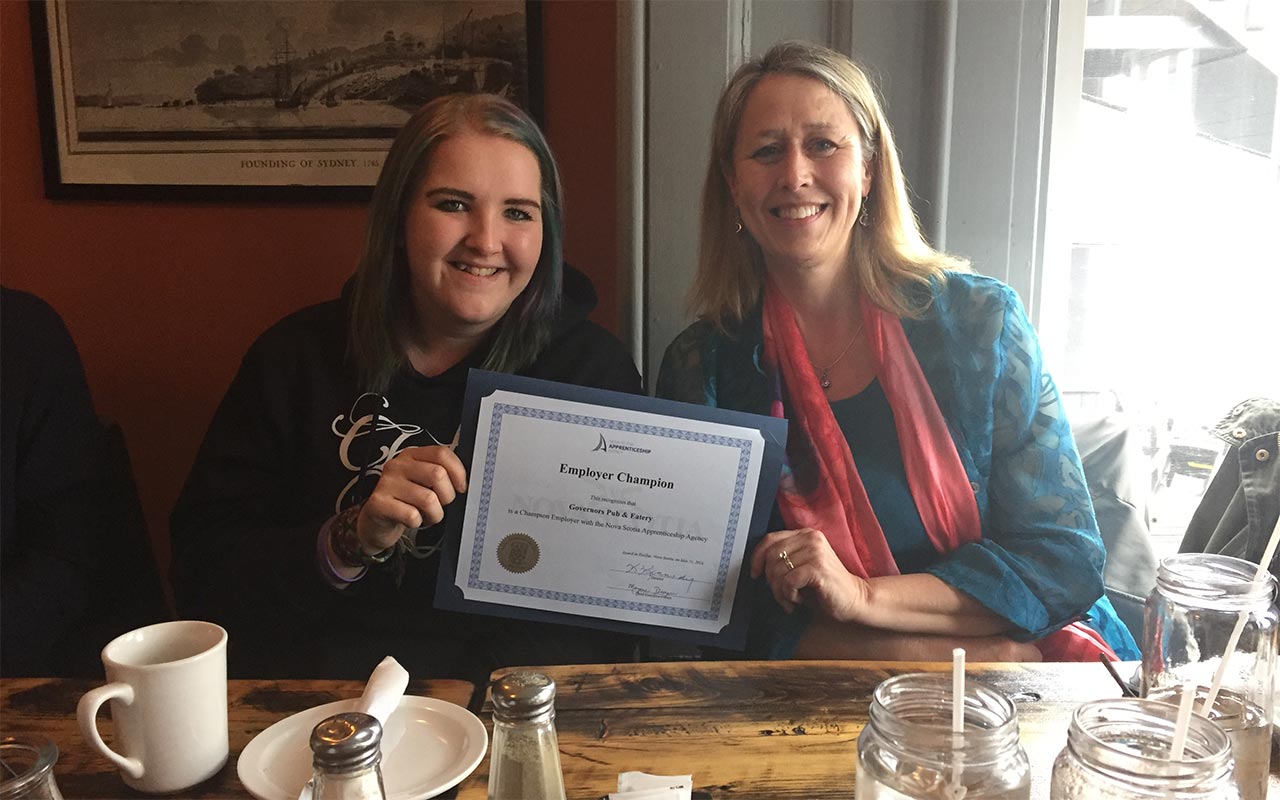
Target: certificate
(609, 508)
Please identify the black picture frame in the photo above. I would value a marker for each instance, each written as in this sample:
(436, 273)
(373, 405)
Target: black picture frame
(147, 141)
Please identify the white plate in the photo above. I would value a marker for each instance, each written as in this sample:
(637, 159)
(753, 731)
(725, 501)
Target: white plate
(428, 745)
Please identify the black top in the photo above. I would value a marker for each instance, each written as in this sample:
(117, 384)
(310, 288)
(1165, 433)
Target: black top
(866, 419)
(75, 558)
(286, 450)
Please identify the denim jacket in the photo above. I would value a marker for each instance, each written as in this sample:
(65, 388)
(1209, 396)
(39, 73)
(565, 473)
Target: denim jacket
(1039, 562)
(1239, 508)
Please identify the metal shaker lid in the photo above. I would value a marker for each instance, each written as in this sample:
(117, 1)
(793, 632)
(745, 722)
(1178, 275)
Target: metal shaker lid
(522, 695)
(347, 742)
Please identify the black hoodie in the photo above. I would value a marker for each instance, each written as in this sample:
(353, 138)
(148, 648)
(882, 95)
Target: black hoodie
(291, 444)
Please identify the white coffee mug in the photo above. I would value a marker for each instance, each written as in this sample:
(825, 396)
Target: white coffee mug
(168, 692)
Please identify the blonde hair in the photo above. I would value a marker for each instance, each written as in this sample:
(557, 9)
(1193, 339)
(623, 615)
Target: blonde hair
(889, 255)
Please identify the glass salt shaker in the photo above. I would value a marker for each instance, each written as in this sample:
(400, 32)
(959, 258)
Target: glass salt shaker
(347, 752)
(1119, 750)
(525, 760)
(1190, 616)
(908, 750)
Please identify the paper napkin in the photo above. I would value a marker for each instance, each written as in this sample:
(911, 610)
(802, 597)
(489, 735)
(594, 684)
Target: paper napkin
(642, 786)
(383, 691)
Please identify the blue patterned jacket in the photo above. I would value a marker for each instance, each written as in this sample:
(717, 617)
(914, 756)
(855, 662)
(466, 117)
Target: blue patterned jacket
(1039, 562)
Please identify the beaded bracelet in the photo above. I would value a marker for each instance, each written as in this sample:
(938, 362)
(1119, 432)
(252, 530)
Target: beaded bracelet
(325, 566)
(346, 543)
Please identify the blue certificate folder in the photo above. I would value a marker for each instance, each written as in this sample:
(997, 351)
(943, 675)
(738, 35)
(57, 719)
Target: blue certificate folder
(481, 383)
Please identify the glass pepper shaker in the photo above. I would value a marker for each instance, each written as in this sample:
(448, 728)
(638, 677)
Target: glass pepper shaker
(1190, 617)
(1119, 750)
(908, 750)
(347, 752)
(525, 760)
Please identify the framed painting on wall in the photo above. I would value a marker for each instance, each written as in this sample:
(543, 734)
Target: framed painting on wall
(272, 99)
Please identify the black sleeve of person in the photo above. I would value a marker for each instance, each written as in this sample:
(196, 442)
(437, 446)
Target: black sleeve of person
(68, 562)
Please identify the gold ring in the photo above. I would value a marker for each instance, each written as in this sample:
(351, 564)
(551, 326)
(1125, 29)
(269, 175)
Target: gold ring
(782, 555)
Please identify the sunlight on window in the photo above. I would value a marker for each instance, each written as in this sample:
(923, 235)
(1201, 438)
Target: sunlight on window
(1172, 302)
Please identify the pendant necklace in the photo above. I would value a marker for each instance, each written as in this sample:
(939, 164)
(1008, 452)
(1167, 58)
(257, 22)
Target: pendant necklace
(824, 378)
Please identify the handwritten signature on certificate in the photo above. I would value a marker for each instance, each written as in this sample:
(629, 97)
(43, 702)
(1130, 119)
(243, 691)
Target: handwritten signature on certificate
(647, 580)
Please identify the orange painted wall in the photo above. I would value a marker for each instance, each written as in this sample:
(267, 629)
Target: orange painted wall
(163, 299)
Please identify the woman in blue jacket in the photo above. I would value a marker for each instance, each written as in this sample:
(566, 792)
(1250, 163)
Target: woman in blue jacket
(933, 496)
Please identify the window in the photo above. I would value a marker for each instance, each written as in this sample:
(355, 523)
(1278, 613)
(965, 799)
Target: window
(1162, 299)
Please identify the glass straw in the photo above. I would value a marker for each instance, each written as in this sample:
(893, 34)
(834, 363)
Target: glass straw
(1258, 576)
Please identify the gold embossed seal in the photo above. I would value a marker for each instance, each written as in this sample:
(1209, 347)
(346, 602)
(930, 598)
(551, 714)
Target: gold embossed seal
(518, 552)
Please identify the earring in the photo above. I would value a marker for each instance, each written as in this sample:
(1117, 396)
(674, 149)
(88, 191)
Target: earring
(864, 217)
(737, 226)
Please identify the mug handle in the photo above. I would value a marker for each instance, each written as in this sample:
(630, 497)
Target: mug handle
(87, 714)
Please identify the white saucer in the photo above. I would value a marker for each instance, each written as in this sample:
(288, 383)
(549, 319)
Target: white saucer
(428, 746)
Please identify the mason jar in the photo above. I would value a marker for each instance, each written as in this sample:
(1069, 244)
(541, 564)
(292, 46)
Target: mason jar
(28, 761)
(1119, 750)
(1190, 616)
(908, 750)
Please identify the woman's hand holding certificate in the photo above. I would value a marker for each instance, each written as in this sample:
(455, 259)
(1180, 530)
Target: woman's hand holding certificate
(414, 488)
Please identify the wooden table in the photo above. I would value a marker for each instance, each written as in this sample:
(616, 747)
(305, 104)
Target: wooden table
(771, 730)
(745, 730)
(48, 707)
